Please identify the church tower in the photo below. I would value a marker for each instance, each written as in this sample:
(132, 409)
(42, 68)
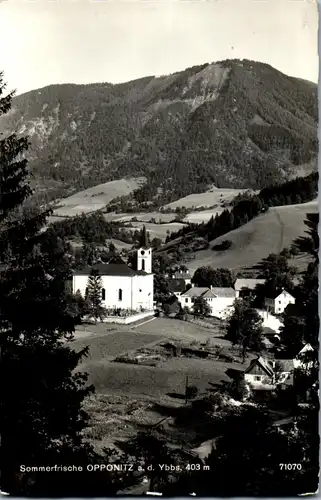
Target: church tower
(144, 260)
(144, 253)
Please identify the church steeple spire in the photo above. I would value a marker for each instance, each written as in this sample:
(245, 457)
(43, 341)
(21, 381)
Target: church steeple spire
(144, 253)
(144, 243)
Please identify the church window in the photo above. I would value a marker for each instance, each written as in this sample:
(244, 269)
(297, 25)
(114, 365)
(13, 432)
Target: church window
(103, 294)
(86, 291)
(143, 265)
(120, 294)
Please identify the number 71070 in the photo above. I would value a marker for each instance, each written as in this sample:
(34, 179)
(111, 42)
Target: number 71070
(290, 466)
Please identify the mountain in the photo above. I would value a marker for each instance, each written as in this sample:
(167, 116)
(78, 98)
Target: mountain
(234, 124)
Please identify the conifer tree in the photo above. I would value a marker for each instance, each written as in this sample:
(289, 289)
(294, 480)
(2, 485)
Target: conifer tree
(94, 296)
(244, 328)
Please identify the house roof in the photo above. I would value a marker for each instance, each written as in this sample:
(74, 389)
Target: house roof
(306, 348)
(200, 291)
(263, 363)
(177, 285)
(223, 292)
(109, 270)
(247, 283)
(197, 291)
(277, 293)
(272, 366)
(181, 275)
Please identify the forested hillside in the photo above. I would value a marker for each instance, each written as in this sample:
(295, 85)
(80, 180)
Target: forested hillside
(246, 207)
(234, 123)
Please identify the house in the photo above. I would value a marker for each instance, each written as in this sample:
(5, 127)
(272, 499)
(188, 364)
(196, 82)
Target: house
(122, 286)
(270, 321)
(304, 364)
(177, 286)
(182, 275)
(179, 281)
(245, 287)
(277, 303)
(220, 300)
(265, 374)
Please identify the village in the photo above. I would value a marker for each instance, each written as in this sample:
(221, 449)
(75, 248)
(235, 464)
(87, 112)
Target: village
(150, 364)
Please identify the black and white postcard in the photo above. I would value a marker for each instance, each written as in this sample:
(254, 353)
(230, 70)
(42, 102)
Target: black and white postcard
(159, 248)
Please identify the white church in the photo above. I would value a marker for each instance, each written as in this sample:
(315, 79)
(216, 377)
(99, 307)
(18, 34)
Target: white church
(123, 287)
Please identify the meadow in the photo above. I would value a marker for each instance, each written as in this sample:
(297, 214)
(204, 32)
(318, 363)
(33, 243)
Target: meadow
(97, 197)
(211, 197)
(268, 233)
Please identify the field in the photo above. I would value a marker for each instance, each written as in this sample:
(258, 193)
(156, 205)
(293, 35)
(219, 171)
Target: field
(120, 378)
(157, 230)
(97, 197)
(214, 196)
(141, 216)
(202, 216)
(131, 397)
(268, 233)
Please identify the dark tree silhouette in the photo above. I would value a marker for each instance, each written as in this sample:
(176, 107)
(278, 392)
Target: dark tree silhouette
(207, 276)
(244, 328)
(41, 401)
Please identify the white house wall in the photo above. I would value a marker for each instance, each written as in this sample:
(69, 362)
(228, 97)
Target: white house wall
(270, 321)
(221, 307)
(257, 380)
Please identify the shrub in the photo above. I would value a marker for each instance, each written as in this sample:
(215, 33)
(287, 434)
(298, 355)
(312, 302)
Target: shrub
(191, 392)
(224, 245)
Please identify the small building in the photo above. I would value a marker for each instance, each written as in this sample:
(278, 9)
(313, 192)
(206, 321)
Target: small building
(122, 286)
(300, 363)
(182, 275)
(245, 287)
(277, 303)
(177, 286)
(178, 281)
(220, 300)
(265, 374)
(270, 321)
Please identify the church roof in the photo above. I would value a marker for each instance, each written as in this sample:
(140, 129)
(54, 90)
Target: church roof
(110, 270)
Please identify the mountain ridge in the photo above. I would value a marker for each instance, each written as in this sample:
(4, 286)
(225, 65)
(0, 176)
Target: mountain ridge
(235, 124)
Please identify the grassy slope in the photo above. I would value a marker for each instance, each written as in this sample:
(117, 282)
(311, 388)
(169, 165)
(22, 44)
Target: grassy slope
(97, 197)
(214, 196)
(157, 230)
(268, 233)
(120, 378)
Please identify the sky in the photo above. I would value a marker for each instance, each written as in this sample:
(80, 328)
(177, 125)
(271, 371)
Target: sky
(46, 42)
